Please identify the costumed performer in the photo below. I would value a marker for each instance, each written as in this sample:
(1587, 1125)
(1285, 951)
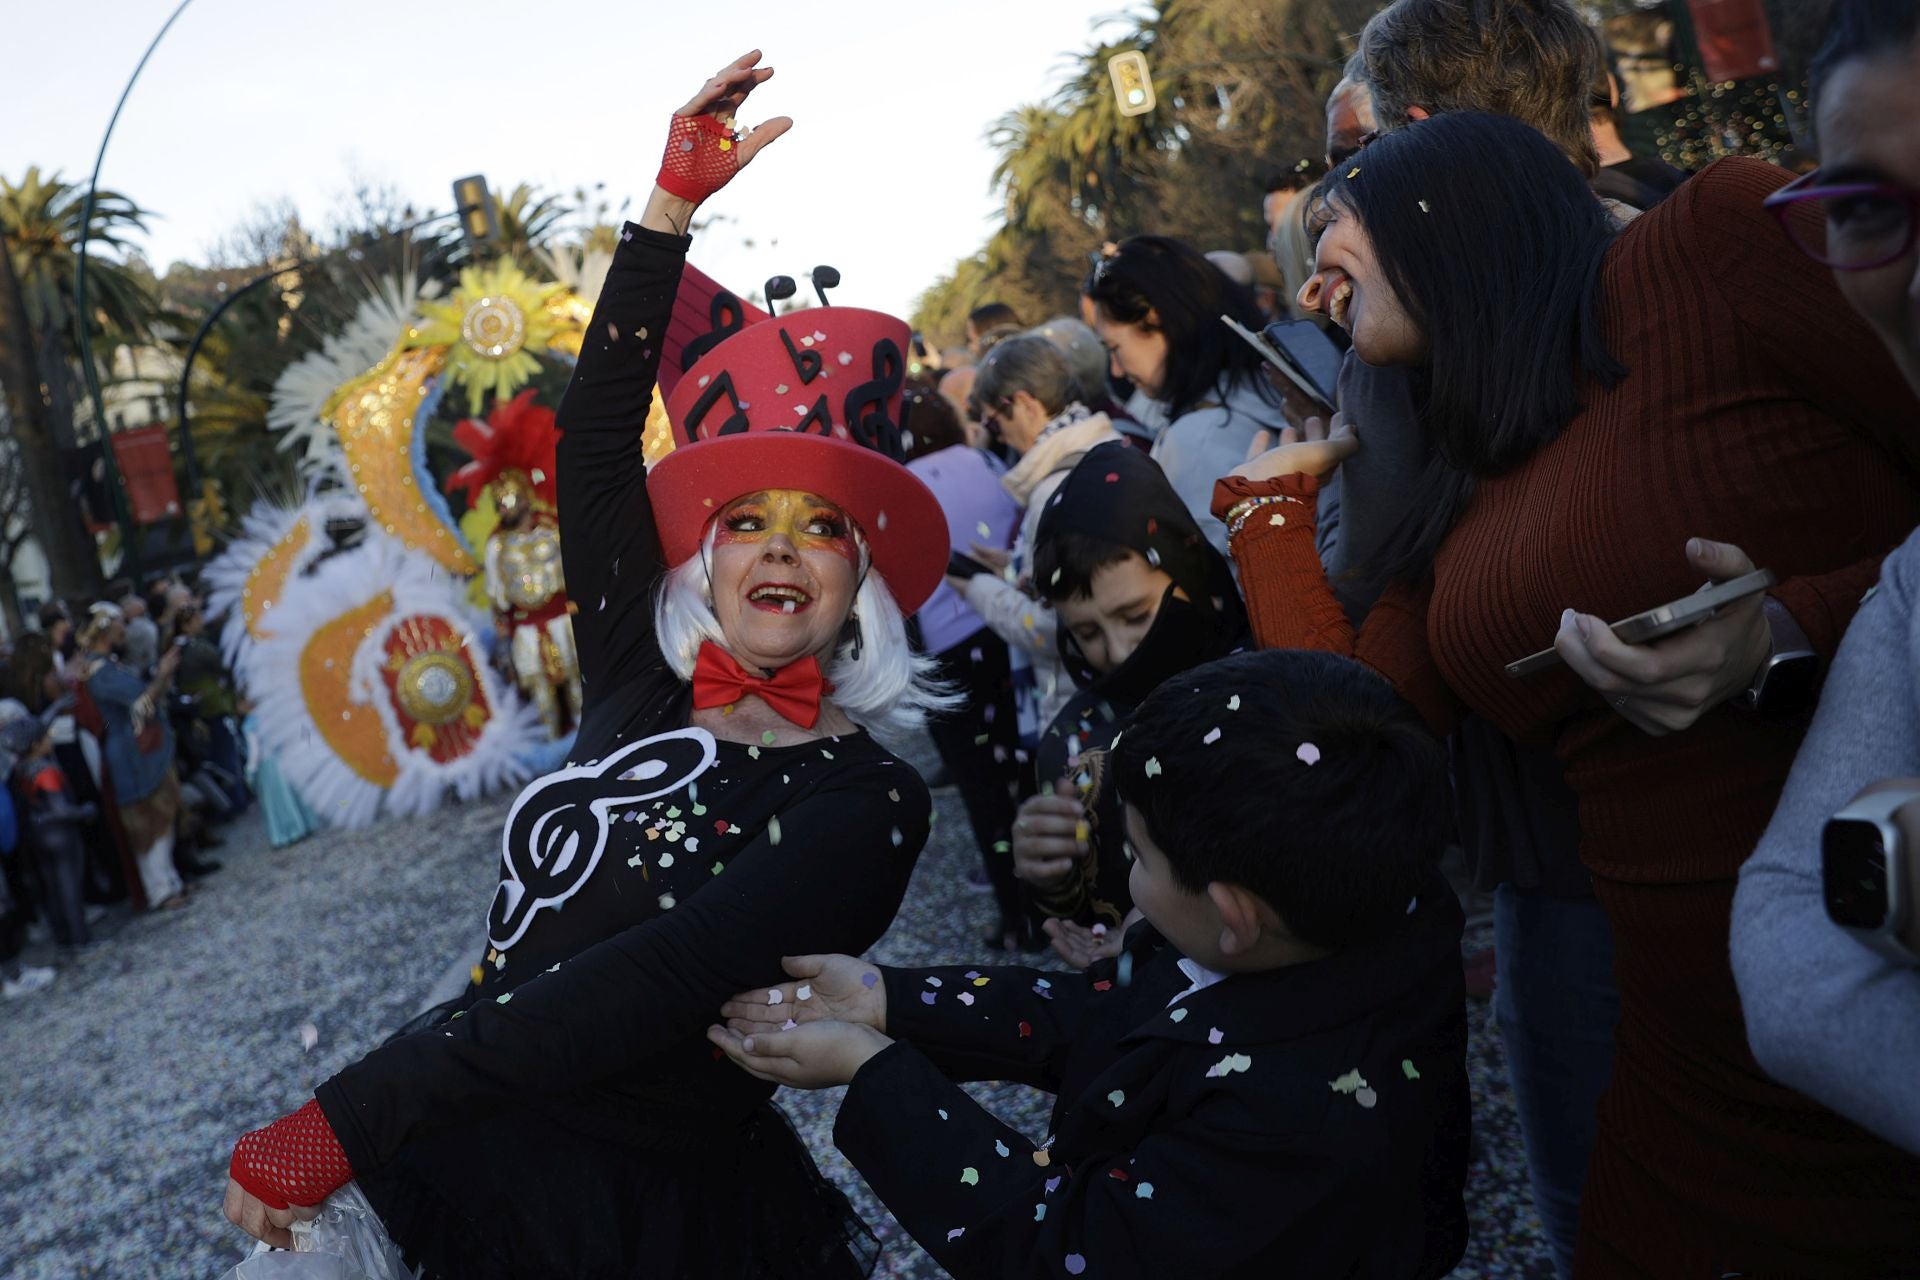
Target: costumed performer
(514, 452)
(727, 808)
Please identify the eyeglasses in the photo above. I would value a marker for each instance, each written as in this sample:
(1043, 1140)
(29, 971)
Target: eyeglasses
(1866, 224)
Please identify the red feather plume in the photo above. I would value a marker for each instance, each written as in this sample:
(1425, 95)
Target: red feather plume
(517, 436)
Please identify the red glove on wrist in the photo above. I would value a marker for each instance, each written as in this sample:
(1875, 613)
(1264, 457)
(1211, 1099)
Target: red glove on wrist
(702, 157)
(294, 1160)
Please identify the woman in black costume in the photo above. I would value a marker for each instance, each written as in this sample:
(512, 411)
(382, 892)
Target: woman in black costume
(741, 619)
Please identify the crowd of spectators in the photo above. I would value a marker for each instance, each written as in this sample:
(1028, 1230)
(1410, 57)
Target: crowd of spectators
(120, 749)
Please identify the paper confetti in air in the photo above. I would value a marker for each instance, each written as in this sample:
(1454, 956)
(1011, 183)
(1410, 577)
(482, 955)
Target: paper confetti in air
(966, 997)
(1308, 754)
(1178, 1015)
(1233, 703)
(1042, 1159)
(1001, 1149)
(773, 830)
(955, 1234)
(970, 1176)
(1153, 766)
(666, 902)
(767, 737)
(1076, 1265)
(1144, 1191)
(1366, 1097)
(1040, 1212)
(502, 999)
(1118, 1098)
(943, 1112)
(1215, 1035)
(1228, 1065)
(1408, 1070)
(927, 997)
(935, 982)
(1213, 736)
(309, 1036)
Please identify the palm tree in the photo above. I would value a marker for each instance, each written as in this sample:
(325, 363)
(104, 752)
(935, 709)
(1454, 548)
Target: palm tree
(40, 231)
(527, 219)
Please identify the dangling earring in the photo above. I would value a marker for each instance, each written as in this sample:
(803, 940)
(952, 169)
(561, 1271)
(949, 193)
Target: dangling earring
(852, 628)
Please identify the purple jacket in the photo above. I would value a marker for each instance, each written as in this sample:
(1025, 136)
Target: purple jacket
(978, 510)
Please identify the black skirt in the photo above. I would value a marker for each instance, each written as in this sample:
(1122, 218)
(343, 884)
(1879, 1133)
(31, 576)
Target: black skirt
(519, 1196)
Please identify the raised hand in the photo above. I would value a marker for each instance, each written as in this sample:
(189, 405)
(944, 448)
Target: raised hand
(705, 146)
(1050, 835)
(840, 988)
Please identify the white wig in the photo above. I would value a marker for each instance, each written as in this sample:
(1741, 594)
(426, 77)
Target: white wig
(889, 689)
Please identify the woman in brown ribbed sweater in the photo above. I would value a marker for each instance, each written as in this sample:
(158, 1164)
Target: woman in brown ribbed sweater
(1614, 417)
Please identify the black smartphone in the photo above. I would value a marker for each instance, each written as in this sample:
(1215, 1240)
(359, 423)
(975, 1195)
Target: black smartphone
(965, 566)
(1311, 354)
(1655, 624)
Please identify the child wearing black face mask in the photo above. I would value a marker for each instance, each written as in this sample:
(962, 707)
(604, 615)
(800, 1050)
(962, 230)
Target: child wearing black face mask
(1140, 595)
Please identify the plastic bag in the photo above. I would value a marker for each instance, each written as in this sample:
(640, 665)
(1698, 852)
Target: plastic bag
(345, 1242)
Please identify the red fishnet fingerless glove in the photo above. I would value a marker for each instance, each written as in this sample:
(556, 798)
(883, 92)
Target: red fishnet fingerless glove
(294, 1160)
(701, 157)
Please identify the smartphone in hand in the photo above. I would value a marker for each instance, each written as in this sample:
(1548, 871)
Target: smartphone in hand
(1665, 620)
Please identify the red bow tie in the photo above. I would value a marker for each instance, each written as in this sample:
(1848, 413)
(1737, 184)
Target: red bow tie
(793, 691)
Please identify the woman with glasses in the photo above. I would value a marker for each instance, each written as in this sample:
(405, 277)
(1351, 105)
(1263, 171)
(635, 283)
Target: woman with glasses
(1612, 416)
(1824, 1011)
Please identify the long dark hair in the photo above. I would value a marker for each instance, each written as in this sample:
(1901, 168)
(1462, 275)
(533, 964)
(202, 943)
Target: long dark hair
(1161, 283)
(1494, 245)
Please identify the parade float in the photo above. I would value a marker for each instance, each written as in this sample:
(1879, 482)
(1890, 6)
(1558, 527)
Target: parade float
(401, 656)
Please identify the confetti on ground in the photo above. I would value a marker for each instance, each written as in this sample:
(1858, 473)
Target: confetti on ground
(378, 933)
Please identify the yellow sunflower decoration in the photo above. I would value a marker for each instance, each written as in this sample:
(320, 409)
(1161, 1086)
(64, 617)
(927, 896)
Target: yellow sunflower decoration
(491, 327)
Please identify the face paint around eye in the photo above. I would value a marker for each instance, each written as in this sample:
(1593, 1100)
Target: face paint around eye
(809, 522)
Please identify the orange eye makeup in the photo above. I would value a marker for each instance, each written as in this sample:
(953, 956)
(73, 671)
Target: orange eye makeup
(809, 523)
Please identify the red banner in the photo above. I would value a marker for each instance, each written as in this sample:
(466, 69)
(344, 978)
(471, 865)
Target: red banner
(146, 468)
(1735, 41)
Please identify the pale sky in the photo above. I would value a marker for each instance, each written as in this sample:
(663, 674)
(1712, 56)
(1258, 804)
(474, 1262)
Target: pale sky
(883, 176)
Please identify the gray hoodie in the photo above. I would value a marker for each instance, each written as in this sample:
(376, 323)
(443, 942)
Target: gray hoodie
(1207, 442)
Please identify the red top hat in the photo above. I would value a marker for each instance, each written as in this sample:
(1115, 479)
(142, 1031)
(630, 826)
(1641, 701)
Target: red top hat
(807, 401)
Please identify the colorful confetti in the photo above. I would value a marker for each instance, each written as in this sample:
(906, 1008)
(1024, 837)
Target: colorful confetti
(1228, 1065)
(1308, 754)
(970, 1176)
(1153, 766)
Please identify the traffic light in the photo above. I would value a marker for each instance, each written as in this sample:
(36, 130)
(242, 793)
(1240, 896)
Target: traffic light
(1132, 82)
(479, 221)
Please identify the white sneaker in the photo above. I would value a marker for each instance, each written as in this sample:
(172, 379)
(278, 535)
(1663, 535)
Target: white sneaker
(32, 978)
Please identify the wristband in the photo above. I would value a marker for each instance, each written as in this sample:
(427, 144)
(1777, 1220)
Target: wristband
(702, 156)
(294, 1160)
(1238, 513)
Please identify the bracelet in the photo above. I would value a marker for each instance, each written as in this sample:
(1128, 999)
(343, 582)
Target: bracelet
(1237, 514)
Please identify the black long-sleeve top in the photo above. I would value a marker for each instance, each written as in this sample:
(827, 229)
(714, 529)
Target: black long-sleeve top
(662, 871)
(1304, 1121)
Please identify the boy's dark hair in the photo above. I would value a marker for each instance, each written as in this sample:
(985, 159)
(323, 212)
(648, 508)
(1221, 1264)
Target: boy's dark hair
(1211, 760)
(1064, 563)
(1512, 319)
(1167, 284)
(1529, 59)
(1862, 29)
(992, 315)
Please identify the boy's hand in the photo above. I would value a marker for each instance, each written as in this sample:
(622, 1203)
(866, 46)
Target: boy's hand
(840, 988)
(1080, 946)
(1049, 835)
(818, 1055)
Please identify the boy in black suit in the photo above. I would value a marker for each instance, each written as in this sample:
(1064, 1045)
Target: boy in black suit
(1269, 1080)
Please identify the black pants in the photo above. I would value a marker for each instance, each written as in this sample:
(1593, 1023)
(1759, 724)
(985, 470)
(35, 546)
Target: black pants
(60, 856)
(978, 743)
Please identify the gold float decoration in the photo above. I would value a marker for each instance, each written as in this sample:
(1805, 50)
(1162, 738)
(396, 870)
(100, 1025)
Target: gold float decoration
(352, 729)
(490, 328)
(376, 417)
(267, 582)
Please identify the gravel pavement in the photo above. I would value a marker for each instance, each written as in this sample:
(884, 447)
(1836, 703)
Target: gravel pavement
(123, 1087)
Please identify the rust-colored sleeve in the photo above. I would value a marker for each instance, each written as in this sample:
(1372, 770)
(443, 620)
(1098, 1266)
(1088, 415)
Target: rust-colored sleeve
(1290, 605)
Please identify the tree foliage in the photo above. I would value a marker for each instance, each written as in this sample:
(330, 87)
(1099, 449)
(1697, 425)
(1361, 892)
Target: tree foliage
(1241, 91)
